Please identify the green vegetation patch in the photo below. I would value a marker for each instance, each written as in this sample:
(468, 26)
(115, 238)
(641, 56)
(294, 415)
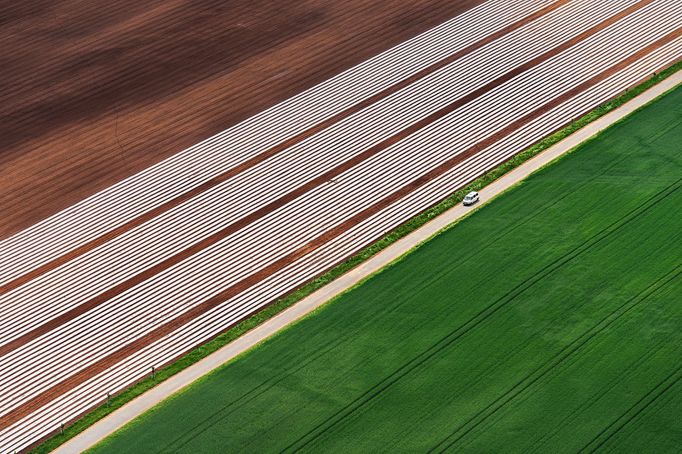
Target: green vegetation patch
(549, 320)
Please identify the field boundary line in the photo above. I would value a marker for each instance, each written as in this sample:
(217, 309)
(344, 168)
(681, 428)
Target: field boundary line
(361, 272)
(631, 413)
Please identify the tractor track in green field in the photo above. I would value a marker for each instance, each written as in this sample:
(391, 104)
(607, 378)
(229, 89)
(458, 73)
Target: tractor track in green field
(665, 131)
(637, 408)
(479, 318)
(549, 366)
(263, 387)
(602, 392)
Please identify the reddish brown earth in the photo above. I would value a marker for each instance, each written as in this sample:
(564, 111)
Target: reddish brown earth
(91, 92)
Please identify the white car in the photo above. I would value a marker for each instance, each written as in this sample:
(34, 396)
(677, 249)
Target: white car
(470, 198)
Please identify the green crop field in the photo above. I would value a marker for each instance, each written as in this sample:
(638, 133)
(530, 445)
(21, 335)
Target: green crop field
(549, 320)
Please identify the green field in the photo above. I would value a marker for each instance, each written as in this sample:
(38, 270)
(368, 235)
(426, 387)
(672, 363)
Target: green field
(549, 320)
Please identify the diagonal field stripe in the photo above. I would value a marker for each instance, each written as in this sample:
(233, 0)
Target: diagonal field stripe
(108, 361)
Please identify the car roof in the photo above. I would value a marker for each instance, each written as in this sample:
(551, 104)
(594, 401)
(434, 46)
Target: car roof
(472, 193)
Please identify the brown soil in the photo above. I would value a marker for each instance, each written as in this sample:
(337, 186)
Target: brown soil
(91, 92)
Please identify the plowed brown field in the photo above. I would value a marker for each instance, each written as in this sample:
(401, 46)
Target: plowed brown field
(92, 92)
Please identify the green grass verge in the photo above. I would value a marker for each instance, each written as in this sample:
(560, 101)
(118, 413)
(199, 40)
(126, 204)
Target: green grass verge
(255, 320)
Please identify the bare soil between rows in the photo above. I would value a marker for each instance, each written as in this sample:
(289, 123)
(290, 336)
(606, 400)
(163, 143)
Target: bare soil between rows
(93, 92)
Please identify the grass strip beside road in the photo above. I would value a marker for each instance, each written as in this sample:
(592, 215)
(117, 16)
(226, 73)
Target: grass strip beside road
(255, 320)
